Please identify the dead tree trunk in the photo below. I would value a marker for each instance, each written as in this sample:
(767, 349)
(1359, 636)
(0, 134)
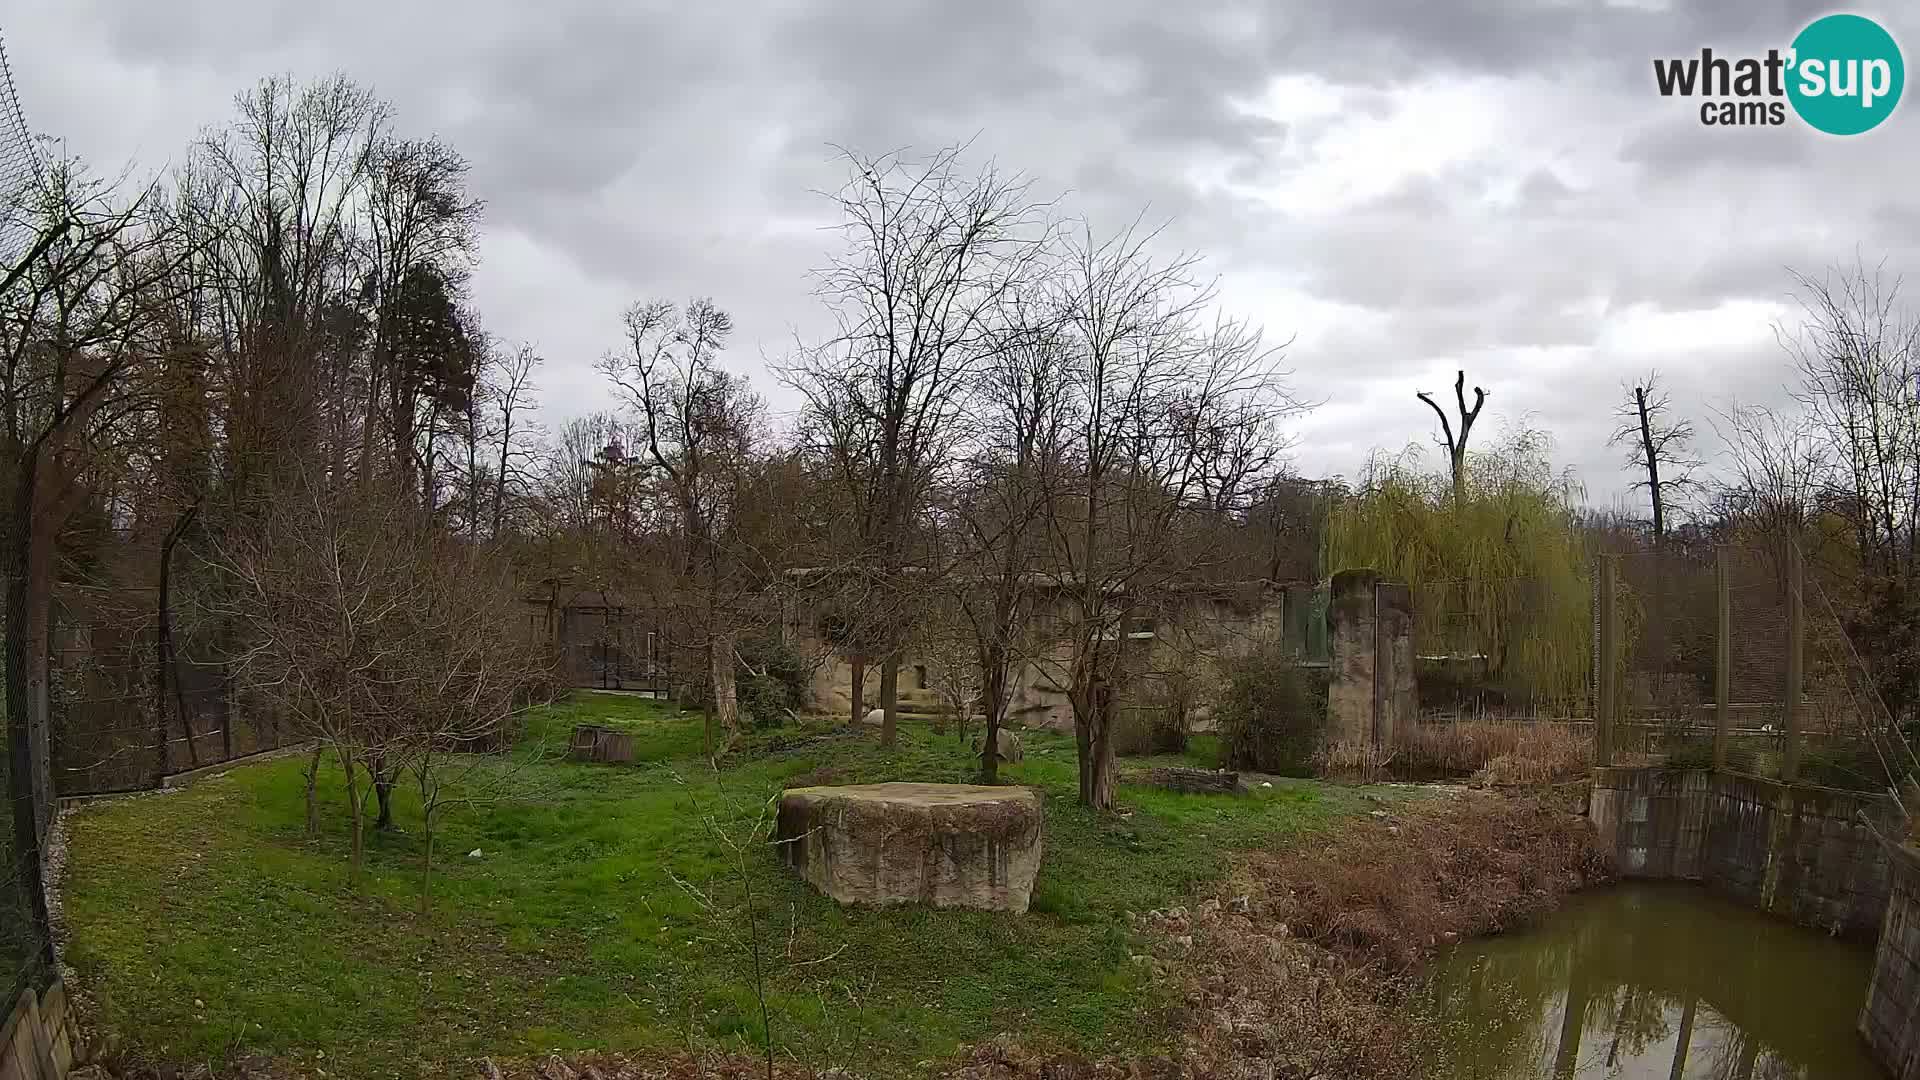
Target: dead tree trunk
(994, 663)
(21, 647)
(1457, 447)
(1652, 454)
(313, 780)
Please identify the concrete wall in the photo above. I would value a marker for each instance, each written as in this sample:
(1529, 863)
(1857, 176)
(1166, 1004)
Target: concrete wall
(36, 1041)
(1372, 694)
(1801, 852)
(1195, 635)
(1890, 1019)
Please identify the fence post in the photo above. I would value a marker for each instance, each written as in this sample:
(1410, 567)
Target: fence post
(1607, 704)
(1796, 646)
(1723, 659)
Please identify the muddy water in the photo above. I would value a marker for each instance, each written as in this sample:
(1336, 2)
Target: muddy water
(1656, 981)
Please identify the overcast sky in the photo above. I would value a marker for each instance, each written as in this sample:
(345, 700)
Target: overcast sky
(1403, 187)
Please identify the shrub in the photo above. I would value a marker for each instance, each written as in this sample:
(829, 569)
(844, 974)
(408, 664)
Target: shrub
(1490, 752)
(772, 680)
(1271, 717)
(1387, 892)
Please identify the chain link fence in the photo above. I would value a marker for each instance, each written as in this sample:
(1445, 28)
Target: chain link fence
(1729, 656)
(127, 715)
(23, 940)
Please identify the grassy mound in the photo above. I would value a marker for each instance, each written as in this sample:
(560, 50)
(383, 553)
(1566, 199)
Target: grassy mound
(603, 911)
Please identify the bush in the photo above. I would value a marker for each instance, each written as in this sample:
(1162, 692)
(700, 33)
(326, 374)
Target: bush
(1488, 751)
(1388, 891)
(772, 679)
(1272, 716)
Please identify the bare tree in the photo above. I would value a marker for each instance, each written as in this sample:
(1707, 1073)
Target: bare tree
(510, 393)
(372, 631)
(1170, 425)
(1777, 470)
(930, 251)
(278, 191)
(78, 336)
(1456, 446)
(1858, 353)
(1018, 416)
(701, 429)
(1659, 446)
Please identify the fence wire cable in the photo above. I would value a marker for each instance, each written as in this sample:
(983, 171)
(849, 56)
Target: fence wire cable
(1872, 716)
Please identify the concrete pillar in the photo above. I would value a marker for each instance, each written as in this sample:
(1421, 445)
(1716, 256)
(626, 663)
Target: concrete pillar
(1370, 696)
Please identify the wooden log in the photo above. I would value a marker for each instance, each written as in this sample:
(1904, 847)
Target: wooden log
(614, 746)
(1195, 781)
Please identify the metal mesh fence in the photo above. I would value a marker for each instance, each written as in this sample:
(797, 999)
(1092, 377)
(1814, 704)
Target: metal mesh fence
(1673, 638)
(116, 724)
(22, 936)
(19, 169)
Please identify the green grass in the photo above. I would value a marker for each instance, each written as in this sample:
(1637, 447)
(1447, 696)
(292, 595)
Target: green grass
(206, 922)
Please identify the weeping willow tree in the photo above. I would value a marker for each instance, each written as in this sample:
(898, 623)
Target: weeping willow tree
(1499, 578)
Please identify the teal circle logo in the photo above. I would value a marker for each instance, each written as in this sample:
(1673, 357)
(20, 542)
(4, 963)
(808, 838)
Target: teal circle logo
(1846, 74)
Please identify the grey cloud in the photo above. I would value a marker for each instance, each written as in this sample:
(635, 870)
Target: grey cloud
(655, 149)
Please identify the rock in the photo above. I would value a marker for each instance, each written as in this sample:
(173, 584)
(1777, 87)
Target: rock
(1007, 744)
(474, 854)
(948, 845)
(1266, 783)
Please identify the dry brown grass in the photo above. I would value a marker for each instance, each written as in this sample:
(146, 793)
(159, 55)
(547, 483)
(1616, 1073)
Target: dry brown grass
(1389, 890)
(1305, 967)
(1487, 751)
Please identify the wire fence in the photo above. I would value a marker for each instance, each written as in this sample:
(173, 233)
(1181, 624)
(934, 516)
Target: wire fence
(22, 933)
(116, 728)
(1712, 661)
(1730, 656)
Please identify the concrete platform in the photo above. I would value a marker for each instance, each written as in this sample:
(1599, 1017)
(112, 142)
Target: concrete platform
(948, 845)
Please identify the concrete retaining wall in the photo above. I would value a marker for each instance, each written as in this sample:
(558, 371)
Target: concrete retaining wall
(36, 1042)
(1805, 853)
(1890, 1020)
(1371, 696)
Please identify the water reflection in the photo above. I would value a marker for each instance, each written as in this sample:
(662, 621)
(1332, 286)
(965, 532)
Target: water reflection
(1657, 981)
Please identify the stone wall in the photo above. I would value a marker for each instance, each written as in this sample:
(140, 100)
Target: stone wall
(1890, 1019)
(1193, 634)
(1806, 853)
(36, 1041)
